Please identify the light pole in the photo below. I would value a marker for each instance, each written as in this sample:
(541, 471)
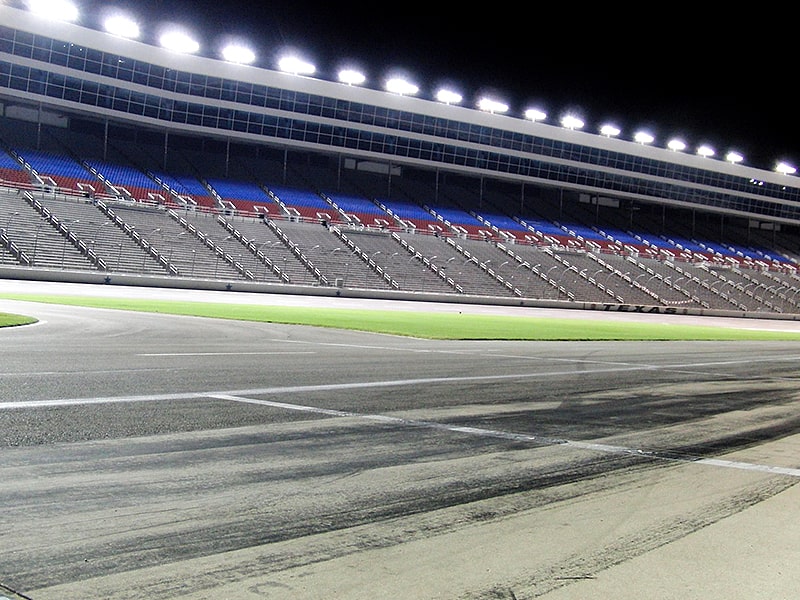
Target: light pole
(8, 222)
(36, 240)
(793, 301)
(561, 280)
(66, 239)
(549, 279)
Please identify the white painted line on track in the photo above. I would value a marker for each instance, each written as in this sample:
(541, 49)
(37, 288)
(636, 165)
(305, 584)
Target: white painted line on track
(242, 396)
(617, 368)
(328, 387)
(517, 437)
(716, 462)
(170, 354)
(395, 420)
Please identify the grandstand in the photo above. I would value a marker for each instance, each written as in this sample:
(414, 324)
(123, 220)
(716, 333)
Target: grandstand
(138, 177)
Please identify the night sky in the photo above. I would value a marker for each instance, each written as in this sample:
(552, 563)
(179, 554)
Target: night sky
(724, 79)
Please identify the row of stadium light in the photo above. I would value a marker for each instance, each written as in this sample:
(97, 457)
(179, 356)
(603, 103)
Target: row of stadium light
(179, 41)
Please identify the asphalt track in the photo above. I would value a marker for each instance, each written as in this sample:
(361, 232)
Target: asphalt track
(149, 456)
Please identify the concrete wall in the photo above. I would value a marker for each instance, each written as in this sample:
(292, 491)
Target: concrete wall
(103, 278)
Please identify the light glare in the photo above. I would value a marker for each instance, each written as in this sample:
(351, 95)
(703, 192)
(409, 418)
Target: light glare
(571, 122)
(400, 86)
(492, 106)
(785, 168)
(534, 114)
(643, 137)
(610, 130)
(57, 10)
(734, 157)
(351, 77)
(676, 145)
(122, 26)
(448, 96)
(292, 64)
(238, 54)
(705, 151)
(179, 42)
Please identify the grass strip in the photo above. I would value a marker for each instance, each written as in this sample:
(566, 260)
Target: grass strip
(432, 325)
(9, 320)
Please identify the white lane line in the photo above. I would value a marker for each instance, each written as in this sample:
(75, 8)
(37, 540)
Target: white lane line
(28, 374)
(241, 396)
(715, 462)
(329, 387)
(517, 437)
(165, 354)
(730, 464)
(389, 419)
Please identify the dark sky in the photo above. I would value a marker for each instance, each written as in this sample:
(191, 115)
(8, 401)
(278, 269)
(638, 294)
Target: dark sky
(724, 79)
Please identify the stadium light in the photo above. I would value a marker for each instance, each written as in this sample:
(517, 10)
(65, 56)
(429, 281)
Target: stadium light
(734, 157)
(609, 130)
(296, 66)
(705, 151)
(676, 145)
(534, 114)
(492, 106)
(57, 10)
(571, 122)
(352, 77)
(398, 85)
(448, 96)
(236, 53)
(642, 137)
(177, 41)
(121, 26)
(785, 168)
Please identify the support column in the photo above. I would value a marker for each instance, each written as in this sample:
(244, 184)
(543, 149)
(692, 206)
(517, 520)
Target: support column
(166, 148)
(105, 140)
(227, 157)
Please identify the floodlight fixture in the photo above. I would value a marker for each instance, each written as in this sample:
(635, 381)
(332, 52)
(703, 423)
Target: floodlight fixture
(237, 53)
(352, 77)
(734, 157)
(785, 168)
(398, 85)
(178, 41)
(642, 137)
(610, 130)
(297, 66)
(492, 106)
(534, 114)
(56, 10)
(705, 151)
(676, 145)
(448, 96)
(122, 26)
(572, 122)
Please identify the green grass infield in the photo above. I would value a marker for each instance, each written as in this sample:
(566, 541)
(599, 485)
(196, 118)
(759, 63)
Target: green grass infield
(453, 325)
(8, 320)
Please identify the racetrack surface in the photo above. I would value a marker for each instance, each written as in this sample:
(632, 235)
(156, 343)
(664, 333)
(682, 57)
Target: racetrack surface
(150, 456)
